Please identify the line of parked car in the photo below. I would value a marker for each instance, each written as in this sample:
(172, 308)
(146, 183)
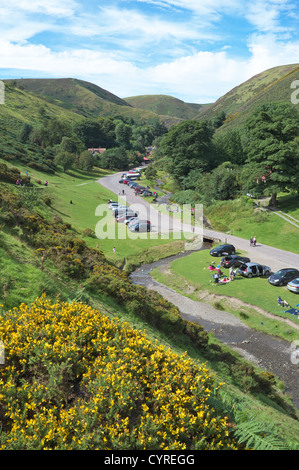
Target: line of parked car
(130, 180)
(124, 214)
(247, 268)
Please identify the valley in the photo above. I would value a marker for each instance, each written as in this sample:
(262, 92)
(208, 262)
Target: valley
(138, 297)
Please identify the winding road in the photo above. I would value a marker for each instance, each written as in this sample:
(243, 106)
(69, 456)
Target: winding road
(270, 353)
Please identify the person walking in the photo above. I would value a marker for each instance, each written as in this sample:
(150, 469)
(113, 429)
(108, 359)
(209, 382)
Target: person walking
(254, 241)
(251, 241)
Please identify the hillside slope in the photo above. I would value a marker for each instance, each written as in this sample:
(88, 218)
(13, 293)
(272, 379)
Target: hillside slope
(166, 105)
(271, 85)
(80, 97)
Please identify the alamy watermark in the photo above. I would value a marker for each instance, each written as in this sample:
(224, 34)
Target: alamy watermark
(184, 223)
(295, 94)
(2, 92)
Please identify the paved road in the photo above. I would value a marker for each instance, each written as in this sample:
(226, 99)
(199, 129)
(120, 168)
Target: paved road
(261, 253)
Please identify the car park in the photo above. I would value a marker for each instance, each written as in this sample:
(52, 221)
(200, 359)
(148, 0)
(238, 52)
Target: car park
(283, 276)
(223, 250)
(293, 285)
(234, 260)
(254, 270)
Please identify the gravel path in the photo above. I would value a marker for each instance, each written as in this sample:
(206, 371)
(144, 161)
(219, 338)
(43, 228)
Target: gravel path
(270, 353)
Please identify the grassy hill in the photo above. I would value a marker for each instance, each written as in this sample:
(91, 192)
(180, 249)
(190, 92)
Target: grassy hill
(69, 372)
(166, 105)
(46, 250)
(269, 86)
(81, 98)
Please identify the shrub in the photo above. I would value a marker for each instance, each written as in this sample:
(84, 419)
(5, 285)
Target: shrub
(74, 379)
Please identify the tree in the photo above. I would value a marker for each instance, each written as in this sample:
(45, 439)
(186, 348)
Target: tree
(64, 159)
(25, 132)
(89, 132)
(189, 146)
(86, 161)
(123, 134)
(228, 147)
(271, 133)
(114, 159)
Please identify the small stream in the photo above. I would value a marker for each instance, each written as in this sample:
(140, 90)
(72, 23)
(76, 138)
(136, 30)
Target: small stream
(268, 352)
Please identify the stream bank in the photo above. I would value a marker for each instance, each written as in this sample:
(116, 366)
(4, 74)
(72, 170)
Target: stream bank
(268, 352)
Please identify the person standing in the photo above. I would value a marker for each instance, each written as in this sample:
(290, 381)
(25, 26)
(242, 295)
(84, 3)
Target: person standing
(254, 241)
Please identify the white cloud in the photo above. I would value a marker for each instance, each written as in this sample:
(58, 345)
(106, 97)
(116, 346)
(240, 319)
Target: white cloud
(59, 8)
(267, 51)
(265, 15)
(129, 52)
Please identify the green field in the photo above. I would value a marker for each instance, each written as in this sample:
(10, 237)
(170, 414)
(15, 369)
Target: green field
(86, 195)
(243, 218)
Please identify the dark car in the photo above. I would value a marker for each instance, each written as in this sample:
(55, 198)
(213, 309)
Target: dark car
(223, 250)
(254, 270)
(234, 260)
(283, 276)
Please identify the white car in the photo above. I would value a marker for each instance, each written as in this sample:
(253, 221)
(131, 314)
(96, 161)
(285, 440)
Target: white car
(254, 270)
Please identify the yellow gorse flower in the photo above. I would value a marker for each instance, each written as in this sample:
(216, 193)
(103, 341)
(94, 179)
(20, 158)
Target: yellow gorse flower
(75, 379)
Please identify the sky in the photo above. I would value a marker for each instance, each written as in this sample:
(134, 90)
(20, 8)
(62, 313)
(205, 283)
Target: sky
(194, 50)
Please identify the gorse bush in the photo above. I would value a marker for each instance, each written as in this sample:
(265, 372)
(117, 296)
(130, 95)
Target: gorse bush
(74, 379)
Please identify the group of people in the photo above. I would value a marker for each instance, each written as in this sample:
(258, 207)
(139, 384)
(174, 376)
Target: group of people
(217, 276)
(252, 241)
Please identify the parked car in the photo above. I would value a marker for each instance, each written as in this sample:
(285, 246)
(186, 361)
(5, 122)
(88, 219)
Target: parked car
(130, 220)
(141, 226)
(234, 260)
(113, 204)
(127, 210)
(123, 216)
(254, 270)
(293, 285)
(283, 276)
(146, 193)
(118, 208)
(223, 250)
(136, 221)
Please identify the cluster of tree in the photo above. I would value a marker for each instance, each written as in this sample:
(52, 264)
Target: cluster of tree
(262, 158)
(66, 145)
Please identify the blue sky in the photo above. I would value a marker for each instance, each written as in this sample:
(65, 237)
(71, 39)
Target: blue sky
(195, 50)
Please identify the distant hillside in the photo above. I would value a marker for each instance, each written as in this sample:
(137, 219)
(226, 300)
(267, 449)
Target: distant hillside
(166, 105)
(271, 85)
(80, 97)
